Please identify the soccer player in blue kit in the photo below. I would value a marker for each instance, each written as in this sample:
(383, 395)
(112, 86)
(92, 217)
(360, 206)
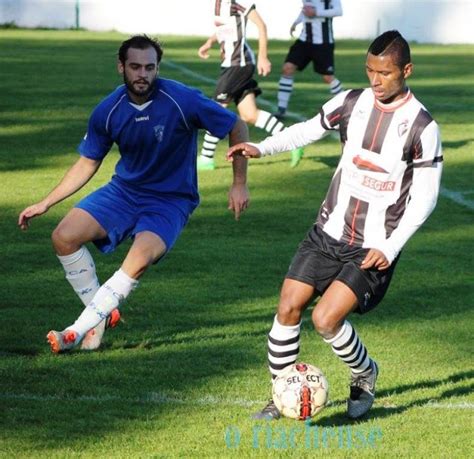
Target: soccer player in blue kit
(155, 123)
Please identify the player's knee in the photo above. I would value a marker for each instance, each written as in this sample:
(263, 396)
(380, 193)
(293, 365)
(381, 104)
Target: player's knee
(139, 263)
(324, 323)
(289, 312)
(249, 118)
(288, 70)
(64, 241)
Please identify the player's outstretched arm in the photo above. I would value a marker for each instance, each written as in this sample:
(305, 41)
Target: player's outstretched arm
(239, 194)
(74, 179)
(244, 149)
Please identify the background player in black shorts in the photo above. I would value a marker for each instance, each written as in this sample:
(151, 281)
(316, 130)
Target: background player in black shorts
(236, 83)
(315, 44)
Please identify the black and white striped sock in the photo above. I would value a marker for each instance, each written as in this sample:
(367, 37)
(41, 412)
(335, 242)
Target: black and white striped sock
(209, 145)
(335, 87)
(267, 121)
(285, 88)
(283, 346)
(349, 348)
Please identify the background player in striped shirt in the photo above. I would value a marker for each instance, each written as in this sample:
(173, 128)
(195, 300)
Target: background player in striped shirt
(315, 44)
(385, 186)
(236, 83)
(154, 123)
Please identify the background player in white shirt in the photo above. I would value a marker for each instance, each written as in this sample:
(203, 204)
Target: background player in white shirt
(384, 188)
(315, 44)
(236, 83)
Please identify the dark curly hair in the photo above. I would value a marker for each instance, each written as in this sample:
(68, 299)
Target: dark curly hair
(140, 42)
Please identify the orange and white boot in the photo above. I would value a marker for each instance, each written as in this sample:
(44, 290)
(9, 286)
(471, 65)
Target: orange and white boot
(93, 337)
(61, 341)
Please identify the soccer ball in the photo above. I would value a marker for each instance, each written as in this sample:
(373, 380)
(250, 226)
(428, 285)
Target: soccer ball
(300, 391)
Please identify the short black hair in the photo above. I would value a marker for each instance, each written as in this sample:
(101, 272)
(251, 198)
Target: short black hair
(140, 42)
(391, 42)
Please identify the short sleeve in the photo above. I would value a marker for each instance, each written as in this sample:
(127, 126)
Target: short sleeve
(97, 141)
(209, 115)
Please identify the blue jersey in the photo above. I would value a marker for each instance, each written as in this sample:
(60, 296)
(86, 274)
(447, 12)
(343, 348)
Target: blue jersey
(157, 140)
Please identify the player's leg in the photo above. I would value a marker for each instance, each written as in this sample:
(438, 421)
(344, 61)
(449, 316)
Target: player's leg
(284, 337)
(93, 219)
(146, 249)
(208, 150)
(323, 63)
(251, 114)
(222, 95)
(335, 86)
(299, 289)
(352, 290)
(285, 87)
(297, 58)
(156, 225)
(69, 238)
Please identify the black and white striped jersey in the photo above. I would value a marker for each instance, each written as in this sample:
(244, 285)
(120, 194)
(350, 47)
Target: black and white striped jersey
(318, 30)
(231, 28)
(387, 181)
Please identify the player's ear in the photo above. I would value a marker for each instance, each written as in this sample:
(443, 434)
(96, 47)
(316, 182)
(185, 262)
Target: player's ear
(407, 70)
(120, 67)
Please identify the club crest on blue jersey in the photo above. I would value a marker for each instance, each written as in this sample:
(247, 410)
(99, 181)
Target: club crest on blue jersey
(159, 129)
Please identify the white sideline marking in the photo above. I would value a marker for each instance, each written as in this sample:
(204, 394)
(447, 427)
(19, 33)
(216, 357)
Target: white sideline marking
(457, 406)
(456, 196)
(151, 398)
(156, 398)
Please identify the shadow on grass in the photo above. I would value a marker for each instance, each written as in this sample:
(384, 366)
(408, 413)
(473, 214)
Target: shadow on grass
(379, 412)
(457, 143)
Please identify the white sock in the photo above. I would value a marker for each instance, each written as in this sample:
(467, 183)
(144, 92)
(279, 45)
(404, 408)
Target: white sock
(283, 346)
(209, 145)
(80, 273)
(350, 349)
(267, 121)
(107, 298)
(285, 88)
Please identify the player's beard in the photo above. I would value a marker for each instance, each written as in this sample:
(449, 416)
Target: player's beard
(139, 93)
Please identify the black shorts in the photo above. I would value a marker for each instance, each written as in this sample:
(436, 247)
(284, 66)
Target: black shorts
(322, 56)
(235, 83)
(320, 260)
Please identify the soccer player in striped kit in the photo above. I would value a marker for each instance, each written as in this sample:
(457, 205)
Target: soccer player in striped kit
(236, 83)
(154, 122)
(384, 188)
(315, 44)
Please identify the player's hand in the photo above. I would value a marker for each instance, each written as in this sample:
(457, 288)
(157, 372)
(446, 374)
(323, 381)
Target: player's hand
(203, 51)
(292, 29)
(375, 258)
(264, 66)
(309, 11)
(32, 211)
(244, 149)
(238, 199)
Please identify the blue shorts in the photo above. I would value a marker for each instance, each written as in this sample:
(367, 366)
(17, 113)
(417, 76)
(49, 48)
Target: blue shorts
(124, 212)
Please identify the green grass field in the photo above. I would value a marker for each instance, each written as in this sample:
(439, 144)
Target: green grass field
(183, 373)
